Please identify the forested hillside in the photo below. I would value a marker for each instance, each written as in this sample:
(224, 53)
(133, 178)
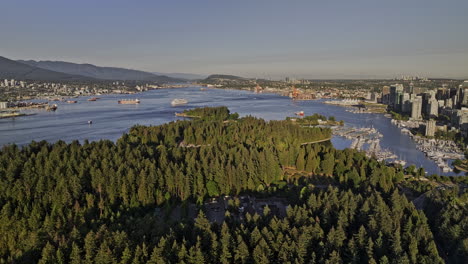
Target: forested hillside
(97, 202)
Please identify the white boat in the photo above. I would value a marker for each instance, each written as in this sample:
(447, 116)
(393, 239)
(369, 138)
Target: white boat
(176, 102)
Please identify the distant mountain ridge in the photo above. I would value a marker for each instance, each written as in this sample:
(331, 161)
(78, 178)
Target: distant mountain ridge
(180, 75)
(10, 69)
(98, 72)
(225, 76)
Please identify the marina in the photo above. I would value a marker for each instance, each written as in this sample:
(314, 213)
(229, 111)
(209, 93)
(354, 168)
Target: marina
(367, 139)
(442, 152)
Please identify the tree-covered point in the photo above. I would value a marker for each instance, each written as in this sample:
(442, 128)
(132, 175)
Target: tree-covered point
(95, 202)
(315, 119)
(211, 113)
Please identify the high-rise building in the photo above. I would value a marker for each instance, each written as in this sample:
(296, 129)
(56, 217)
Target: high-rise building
(459, 116)
(441, 103)
(430, 128)
(464, 97)
(465, 84)
(409, 88)
(385, 95)
(405, 103)
(395, 91)
(13, 83)
(433, 107)
(6, 82)
(442, 94)
(416, 108)
(448, 103)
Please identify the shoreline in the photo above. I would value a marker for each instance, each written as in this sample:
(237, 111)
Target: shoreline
(13, 115)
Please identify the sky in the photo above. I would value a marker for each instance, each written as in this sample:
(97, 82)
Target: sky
(252, 38)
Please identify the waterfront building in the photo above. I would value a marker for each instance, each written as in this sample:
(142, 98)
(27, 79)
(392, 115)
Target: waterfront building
(416, 108)
(430, 128)
(3, 105)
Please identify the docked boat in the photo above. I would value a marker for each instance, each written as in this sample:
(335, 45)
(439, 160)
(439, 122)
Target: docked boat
(72, 102)
(51, 107)
(177, 102)
(300, 113)
(93, 99)
(129, 101)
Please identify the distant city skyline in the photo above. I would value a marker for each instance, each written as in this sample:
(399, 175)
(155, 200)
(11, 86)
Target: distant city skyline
(262, 39)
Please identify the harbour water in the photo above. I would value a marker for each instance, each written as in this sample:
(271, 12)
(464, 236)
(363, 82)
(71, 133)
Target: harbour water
(110, 119)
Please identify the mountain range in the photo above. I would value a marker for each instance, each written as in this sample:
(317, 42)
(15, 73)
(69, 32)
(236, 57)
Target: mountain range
(11, 69)
(68, 71)
(97, 72)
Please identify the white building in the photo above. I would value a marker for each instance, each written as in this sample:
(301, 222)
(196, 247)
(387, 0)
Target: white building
(3, 105)
(416, 108)
(433, 107)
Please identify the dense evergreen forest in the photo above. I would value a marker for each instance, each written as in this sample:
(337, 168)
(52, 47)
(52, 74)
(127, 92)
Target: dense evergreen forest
(96, 202)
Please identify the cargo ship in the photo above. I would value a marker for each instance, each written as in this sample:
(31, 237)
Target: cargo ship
(177, 102)
(129, 101)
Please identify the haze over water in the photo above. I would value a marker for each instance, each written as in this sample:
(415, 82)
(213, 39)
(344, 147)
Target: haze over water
(111, 120)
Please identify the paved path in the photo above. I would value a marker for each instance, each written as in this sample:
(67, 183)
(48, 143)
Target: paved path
(317, 141)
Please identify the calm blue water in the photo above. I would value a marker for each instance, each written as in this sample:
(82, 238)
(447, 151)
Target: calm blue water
(111, 120)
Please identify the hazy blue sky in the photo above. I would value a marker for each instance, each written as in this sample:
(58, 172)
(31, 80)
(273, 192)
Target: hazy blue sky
(316, 39)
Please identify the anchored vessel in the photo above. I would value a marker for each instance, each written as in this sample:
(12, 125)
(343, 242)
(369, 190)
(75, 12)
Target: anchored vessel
(51, 107)
(129, 101)
(176, 102)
